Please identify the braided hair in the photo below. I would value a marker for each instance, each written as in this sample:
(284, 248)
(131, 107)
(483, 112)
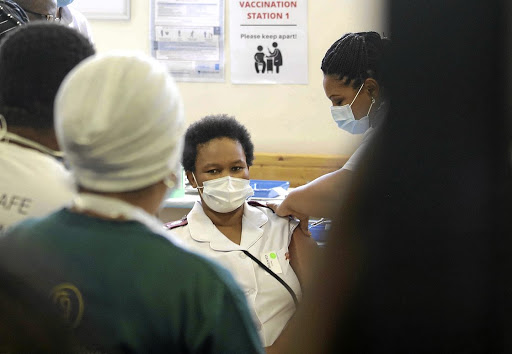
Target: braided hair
(355, 57)
(11, 16)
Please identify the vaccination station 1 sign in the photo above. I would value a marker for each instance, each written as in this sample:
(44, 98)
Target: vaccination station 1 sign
(268, 42)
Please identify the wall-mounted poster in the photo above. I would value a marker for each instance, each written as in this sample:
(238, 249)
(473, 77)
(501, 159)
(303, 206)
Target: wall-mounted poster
(268, 41)
(188, 37)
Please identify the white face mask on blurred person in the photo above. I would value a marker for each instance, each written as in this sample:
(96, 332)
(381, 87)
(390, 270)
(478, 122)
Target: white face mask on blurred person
(225, 194)
(344, 117)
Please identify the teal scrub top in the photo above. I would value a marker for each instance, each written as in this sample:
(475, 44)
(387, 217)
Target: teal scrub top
(123, 288)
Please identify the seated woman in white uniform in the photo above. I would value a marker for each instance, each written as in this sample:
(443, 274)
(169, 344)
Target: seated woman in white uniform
(225, 227)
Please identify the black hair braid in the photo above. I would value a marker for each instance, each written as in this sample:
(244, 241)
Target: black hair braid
(355, 57)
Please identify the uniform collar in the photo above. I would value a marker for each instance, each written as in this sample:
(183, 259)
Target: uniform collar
(113, 207)
(202, 228)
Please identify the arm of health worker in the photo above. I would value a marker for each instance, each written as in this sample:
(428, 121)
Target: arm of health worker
(320, 197)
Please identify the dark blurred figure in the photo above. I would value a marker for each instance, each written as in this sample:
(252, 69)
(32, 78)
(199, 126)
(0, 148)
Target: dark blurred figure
(419, 261)
(39, 10)
(29, 323)
(11, 16)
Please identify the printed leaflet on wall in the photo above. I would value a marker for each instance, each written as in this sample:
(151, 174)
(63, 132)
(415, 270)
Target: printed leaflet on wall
(188, 36)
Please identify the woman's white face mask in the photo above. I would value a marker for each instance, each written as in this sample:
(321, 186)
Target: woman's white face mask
(225, 194)
(344, 117)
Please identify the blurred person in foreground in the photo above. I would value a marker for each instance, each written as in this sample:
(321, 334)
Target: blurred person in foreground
(34, 59)
(419, 261)
(120, 282)
(39, 10)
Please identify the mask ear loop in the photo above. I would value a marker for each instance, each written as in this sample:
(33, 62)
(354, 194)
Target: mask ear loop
(3, 127)
(197, 184)
(369, 109)
(357, 94)
(4, 134)
(3, 130)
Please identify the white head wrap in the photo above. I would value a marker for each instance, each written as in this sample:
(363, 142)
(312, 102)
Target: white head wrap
(119, 120)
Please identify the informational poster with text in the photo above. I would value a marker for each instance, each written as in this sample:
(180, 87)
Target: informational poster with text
(268, 41)
(188, 37)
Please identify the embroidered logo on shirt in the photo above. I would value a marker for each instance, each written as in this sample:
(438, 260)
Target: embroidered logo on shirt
(69, 302)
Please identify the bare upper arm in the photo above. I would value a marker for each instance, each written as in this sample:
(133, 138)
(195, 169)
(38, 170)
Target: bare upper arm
(304, 253)
(320, 197)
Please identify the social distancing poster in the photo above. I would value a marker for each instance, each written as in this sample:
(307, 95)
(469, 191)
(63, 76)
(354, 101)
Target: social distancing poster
(268, 42)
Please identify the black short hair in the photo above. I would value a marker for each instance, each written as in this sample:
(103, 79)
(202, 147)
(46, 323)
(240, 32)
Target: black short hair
(34, 59)
(212, 127)
(356, 57)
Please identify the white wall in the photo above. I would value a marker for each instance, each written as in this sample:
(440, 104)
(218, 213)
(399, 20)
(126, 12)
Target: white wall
(281, 118)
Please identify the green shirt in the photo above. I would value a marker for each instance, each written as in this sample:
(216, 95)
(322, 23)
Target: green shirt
(125, 288)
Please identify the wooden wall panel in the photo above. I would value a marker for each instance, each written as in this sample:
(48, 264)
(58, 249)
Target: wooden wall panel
(299, 169)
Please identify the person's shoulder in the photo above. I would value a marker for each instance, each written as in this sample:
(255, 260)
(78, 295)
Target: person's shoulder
(176, 224)
(41, 164)
(23, 227)
(28, 155)
(30, 228)
(273, 219)
(263, 207)
(214, 272)
(178, 228)
(368, 134)
(267, 211)
(173, 252)
(38, 221)
(189, 261)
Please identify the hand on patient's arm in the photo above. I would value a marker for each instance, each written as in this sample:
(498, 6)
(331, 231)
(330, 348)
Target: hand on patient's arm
(285, 210)
(321, 197)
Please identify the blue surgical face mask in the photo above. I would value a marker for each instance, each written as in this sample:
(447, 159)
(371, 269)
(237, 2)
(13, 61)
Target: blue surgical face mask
(344, 117)
(63, 3)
